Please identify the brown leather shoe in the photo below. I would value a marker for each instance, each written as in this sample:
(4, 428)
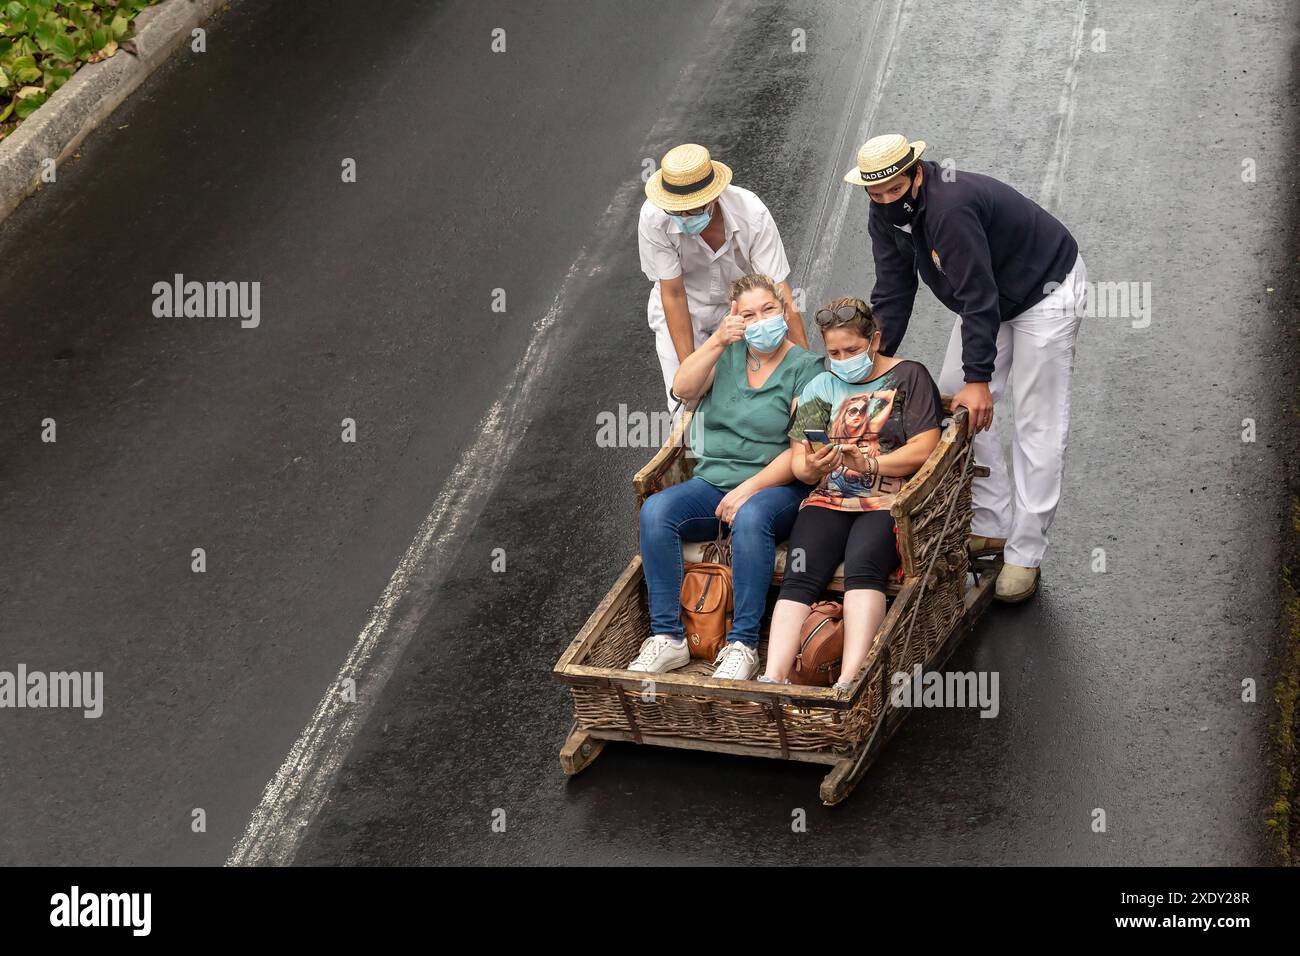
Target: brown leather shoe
(981, 546)
(1016, 584)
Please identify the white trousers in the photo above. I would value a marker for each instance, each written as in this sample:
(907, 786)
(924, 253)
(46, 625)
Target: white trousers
(1036, 352)
(703, 327)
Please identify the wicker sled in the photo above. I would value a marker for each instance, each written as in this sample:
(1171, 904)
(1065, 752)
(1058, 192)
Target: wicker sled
(942, 592)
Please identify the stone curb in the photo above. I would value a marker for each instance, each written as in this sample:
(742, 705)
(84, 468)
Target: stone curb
(58, 127)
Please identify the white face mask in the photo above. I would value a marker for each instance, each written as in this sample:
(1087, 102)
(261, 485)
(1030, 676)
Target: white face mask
(855, 369)
(766, 335)
(693, 225)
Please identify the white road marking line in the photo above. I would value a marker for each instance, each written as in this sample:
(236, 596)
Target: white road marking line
(831, 190)
(293, 797)
(1049, 195)
(296, 793)
(839, 193)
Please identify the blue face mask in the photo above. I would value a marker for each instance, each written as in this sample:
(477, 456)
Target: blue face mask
(692, 225)
(853, 370)
(766, 335)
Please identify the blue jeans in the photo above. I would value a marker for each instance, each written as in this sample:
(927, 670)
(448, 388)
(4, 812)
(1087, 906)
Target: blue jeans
(684, 512)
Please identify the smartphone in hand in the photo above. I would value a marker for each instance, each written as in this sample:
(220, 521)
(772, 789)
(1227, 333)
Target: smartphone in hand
(817, 438)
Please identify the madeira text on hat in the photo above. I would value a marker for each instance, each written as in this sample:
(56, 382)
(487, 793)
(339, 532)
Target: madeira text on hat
(884, 157)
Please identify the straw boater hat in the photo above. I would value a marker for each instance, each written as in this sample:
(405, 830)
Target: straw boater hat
(687, 179)
(882, 158)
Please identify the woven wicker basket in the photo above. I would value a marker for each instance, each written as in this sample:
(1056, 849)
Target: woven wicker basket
(941, 593)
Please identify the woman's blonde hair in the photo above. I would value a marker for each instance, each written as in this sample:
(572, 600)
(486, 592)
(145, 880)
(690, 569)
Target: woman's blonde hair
(754, 281)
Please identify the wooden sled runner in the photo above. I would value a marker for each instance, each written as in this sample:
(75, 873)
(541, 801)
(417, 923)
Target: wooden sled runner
(942, 593)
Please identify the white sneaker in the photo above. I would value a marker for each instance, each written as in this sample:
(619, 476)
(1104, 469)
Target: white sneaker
(660, 653)
(736, 661)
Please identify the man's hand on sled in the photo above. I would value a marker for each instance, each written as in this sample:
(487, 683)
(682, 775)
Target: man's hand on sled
(978, 400)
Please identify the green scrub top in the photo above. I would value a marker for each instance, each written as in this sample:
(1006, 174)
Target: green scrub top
(738, 430)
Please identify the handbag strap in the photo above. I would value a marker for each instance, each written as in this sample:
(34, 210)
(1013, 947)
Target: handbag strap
(718, 551)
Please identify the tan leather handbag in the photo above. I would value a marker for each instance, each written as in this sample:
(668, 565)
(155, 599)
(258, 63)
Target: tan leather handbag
(708, 601)
(821, 646)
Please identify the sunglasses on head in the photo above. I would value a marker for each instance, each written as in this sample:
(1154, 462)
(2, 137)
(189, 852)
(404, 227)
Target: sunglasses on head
(845, 313)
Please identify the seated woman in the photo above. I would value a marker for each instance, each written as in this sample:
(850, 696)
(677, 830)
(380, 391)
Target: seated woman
(748, 374)
(881, 415)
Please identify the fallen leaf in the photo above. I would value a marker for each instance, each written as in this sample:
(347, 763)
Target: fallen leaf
(108, 50)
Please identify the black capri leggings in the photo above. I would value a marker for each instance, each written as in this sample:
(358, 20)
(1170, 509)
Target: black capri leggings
(863, 540)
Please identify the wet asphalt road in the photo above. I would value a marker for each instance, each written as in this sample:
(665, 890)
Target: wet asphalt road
(479, 171)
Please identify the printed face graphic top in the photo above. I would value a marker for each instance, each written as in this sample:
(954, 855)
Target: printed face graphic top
(878, 416)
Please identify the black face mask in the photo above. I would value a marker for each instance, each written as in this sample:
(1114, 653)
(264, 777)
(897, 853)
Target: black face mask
(901, 210)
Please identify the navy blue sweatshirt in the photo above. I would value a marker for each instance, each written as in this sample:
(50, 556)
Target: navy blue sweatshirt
(985, 251)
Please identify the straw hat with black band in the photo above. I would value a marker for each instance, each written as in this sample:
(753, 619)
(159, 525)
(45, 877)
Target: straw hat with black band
(687, 178)
(881, 158)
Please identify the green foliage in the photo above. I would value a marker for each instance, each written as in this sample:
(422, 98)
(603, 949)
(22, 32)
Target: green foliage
(1283, 819)
(43, 42)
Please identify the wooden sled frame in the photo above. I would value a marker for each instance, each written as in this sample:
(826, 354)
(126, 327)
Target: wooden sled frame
(943, 593)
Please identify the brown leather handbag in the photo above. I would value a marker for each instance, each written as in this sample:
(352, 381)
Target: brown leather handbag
(821, 646)
(708, 601)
